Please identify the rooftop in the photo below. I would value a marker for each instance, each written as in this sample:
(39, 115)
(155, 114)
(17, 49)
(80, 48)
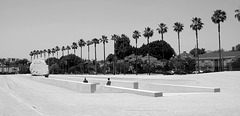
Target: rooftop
(215, 55)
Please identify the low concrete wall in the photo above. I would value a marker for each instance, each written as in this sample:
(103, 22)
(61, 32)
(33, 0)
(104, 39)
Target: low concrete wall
(114, 89)
(126, 84)
(68, 84)
(168, 88)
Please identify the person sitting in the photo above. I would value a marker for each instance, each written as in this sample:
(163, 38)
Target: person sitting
(85, 80)
(108, 82)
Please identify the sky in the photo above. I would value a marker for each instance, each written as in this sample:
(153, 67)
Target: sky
(27, 25)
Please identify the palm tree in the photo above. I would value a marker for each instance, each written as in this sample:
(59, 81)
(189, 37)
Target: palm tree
(104, 40)
(136, 35)
(53, 51)
(31, 54)
(44, 52)
(34, 53)
(88, 44)
(161, 30)
(196, 25)
(57, 49)
(37, 52)
(114, 38)
(95, 41)
(49, 52)
(63, 48)
(81, 43)
(74, 47)
(178, 27)
(218, 17)
(148, 32)
(40, 52)
(68, 48)
(237, 15)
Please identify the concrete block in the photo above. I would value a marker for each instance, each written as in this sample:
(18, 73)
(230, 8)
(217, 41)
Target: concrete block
(126, 84)
(168, 88)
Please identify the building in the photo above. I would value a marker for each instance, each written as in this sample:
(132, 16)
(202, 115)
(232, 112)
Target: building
(210, 61)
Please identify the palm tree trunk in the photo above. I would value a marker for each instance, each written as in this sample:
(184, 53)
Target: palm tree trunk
(220, 52)
(104, 58)
(136, 58)
(148, 57)
(81, 52)
(178, 43)
(114, 60)
(81, 62)
(197, 49)
(62, 53)
(162, 46)
(57, 54)
(88, 52)
(95, 58)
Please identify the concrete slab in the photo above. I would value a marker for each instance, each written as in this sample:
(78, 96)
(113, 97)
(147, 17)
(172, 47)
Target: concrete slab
(114, 89)
(169, 88)
(68, 84)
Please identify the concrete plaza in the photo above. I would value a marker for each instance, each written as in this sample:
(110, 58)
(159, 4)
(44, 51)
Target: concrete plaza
(24, 97)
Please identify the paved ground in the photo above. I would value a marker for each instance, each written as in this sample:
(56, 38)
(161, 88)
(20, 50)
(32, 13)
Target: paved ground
(23, 97)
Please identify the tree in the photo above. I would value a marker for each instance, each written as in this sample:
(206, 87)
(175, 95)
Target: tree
(40, 52)
(104, 40)
(31, 54)
(37, 52)
(161, 30)
(156, 49)
(218, 17)
(196, 25)
(34, 54)
(88, 44)
(237, 15)
(178, 27)
(148, 32)
(44, 52)
(74, 47)
(114, 38)
(63, 49)
(81, 43)
(136, 35)
(49, 52)
(123, 48)
(68, 48)
(57, 49)
(95, 41)
(53, 51)
(198, 51)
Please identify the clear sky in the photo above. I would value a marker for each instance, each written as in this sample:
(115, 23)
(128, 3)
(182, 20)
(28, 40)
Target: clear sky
(27, 25)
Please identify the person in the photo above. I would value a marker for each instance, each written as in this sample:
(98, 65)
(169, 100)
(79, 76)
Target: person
(85, 80)
(108, 82)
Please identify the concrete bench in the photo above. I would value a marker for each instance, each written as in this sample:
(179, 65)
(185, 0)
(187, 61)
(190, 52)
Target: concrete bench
(114, 89)
(168, 88)
(126, 84)
(68, 84)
